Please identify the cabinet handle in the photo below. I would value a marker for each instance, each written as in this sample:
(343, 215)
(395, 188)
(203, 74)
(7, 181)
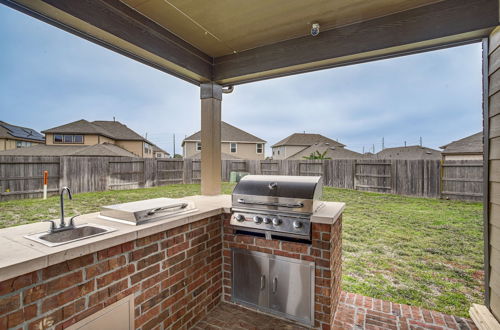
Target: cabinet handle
(262, 282)
(275, 284)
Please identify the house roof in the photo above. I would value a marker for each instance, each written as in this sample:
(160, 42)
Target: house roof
(306, 139)
(112, 129)
(409, 152)
(224, 156)
(229, 133)
(10, 131)
(103, 150)
(333, 152)
(472, 144)
(158, 149)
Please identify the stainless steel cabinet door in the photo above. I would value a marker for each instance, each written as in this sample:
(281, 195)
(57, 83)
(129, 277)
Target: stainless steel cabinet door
(290, 286)
(250, 283)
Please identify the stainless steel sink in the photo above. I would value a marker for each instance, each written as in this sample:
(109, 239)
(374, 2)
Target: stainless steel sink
(80, 232)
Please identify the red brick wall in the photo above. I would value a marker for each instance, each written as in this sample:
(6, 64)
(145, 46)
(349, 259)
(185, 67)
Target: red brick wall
(174, 276)
(325, 252)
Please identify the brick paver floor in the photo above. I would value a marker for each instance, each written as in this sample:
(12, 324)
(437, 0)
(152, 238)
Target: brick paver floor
(355, 312)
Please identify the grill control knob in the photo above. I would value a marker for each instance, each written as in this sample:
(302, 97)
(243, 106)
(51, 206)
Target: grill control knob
(267, 220)
(297, 224)
(276, 221)
(257, 219)
(240, 217)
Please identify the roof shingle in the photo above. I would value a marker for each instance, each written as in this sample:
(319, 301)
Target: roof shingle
(102, 150)
(229, 133)
(333, 152)
(112, 129)
(409, 152)
(6, 132)
(472, 144)
(306, 139)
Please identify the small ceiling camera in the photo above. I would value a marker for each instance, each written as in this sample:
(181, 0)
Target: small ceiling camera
(315, 29)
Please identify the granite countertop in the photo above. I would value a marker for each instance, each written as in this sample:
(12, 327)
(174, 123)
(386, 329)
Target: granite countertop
(20, 255)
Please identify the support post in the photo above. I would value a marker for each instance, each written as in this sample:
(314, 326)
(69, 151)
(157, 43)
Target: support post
(211, 165)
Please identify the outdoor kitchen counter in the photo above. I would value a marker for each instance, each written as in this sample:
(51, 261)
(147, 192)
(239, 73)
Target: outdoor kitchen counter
(19, 255)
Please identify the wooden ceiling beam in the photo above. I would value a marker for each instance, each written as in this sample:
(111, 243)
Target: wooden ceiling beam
(438, 25)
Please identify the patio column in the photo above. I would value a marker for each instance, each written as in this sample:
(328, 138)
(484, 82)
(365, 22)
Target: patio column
(211, 166)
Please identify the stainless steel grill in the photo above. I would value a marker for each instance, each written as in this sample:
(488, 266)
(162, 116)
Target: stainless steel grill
(276, 205)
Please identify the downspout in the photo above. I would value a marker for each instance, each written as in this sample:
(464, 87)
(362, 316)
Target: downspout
(486, 176)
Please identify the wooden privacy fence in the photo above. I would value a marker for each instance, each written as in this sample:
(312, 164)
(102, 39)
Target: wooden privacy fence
(22, 177)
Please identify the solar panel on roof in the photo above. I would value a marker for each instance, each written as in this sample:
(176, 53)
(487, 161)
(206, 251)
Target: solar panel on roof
(23, 133)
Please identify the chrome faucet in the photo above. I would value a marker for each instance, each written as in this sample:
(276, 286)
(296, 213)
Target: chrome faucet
(62, 225)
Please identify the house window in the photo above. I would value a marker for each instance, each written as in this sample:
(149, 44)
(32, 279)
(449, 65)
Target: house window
(68, 138)
(148, 149)
(260, 148)
(198, 146)
(233, 147)
(23, 144)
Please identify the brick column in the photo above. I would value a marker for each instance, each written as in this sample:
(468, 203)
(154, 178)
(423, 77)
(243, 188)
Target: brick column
(325, 251)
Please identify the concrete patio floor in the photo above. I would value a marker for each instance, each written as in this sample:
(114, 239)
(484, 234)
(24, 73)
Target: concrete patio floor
(354, 312)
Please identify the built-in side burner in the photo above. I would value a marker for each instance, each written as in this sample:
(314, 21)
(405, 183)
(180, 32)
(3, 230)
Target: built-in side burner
(135, 213)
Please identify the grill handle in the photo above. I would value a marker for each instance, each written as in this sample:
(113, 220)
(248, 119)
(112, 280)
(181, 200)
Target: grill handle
(262, 282)
(167, 208)
(290, 206)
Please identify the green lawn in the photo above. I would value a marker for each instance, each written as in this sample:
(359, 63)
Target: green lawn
(417, 251)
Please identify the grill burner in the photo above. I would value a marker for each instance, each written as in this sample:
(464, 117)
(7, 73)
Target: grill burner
(276, 205)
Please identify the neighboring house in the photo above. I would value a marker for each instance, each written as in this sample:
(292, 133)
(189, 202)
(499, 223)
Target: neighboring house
(297, 142)
(329, 152)
(12, 137)
(83, 132)
(99, 150)
(468, 148)
(159, 152)
(235, 143)
(409, 153)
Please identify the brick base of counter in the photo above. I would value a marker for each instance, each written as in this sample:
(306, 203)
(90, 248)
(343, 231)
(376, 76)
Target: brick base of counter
(325, 252)
(175, 277)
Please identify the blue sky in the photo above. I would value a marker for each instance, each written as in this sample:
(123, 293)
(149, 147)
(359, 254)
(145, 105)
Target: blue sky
(49, 77)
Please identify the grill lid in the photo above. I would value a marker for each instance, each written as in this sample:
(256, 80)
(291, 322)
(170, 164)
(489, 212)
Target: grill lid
(296, 187)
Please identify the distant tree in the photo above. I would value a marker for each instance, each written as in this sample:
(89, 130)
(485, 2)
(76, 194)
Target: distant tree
(317, 156)
(177, 156)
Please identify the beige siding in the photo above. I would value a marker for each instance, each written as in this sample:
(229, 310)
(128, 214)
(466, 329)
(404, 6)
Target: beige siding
(494, 170)
(463, 157)
(243, 150)
(88, 140)
(9, 144)
(286, 152)
(189, 149)
(135, 147)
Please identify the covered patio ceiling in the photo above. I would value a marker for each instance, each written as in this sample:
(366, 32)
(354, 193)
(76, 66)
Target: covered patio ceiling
(226, 42)
(233, 42)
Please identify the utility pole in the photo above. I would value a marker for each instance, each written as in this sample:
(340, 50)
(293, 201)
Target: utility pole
(405, 144)
(373, 148)
(363, 150)
(420, 141)
(174, 146)
(383, 144)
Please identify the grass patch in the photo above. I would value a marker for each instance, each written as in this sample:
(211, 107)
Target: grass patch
(416, 251)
